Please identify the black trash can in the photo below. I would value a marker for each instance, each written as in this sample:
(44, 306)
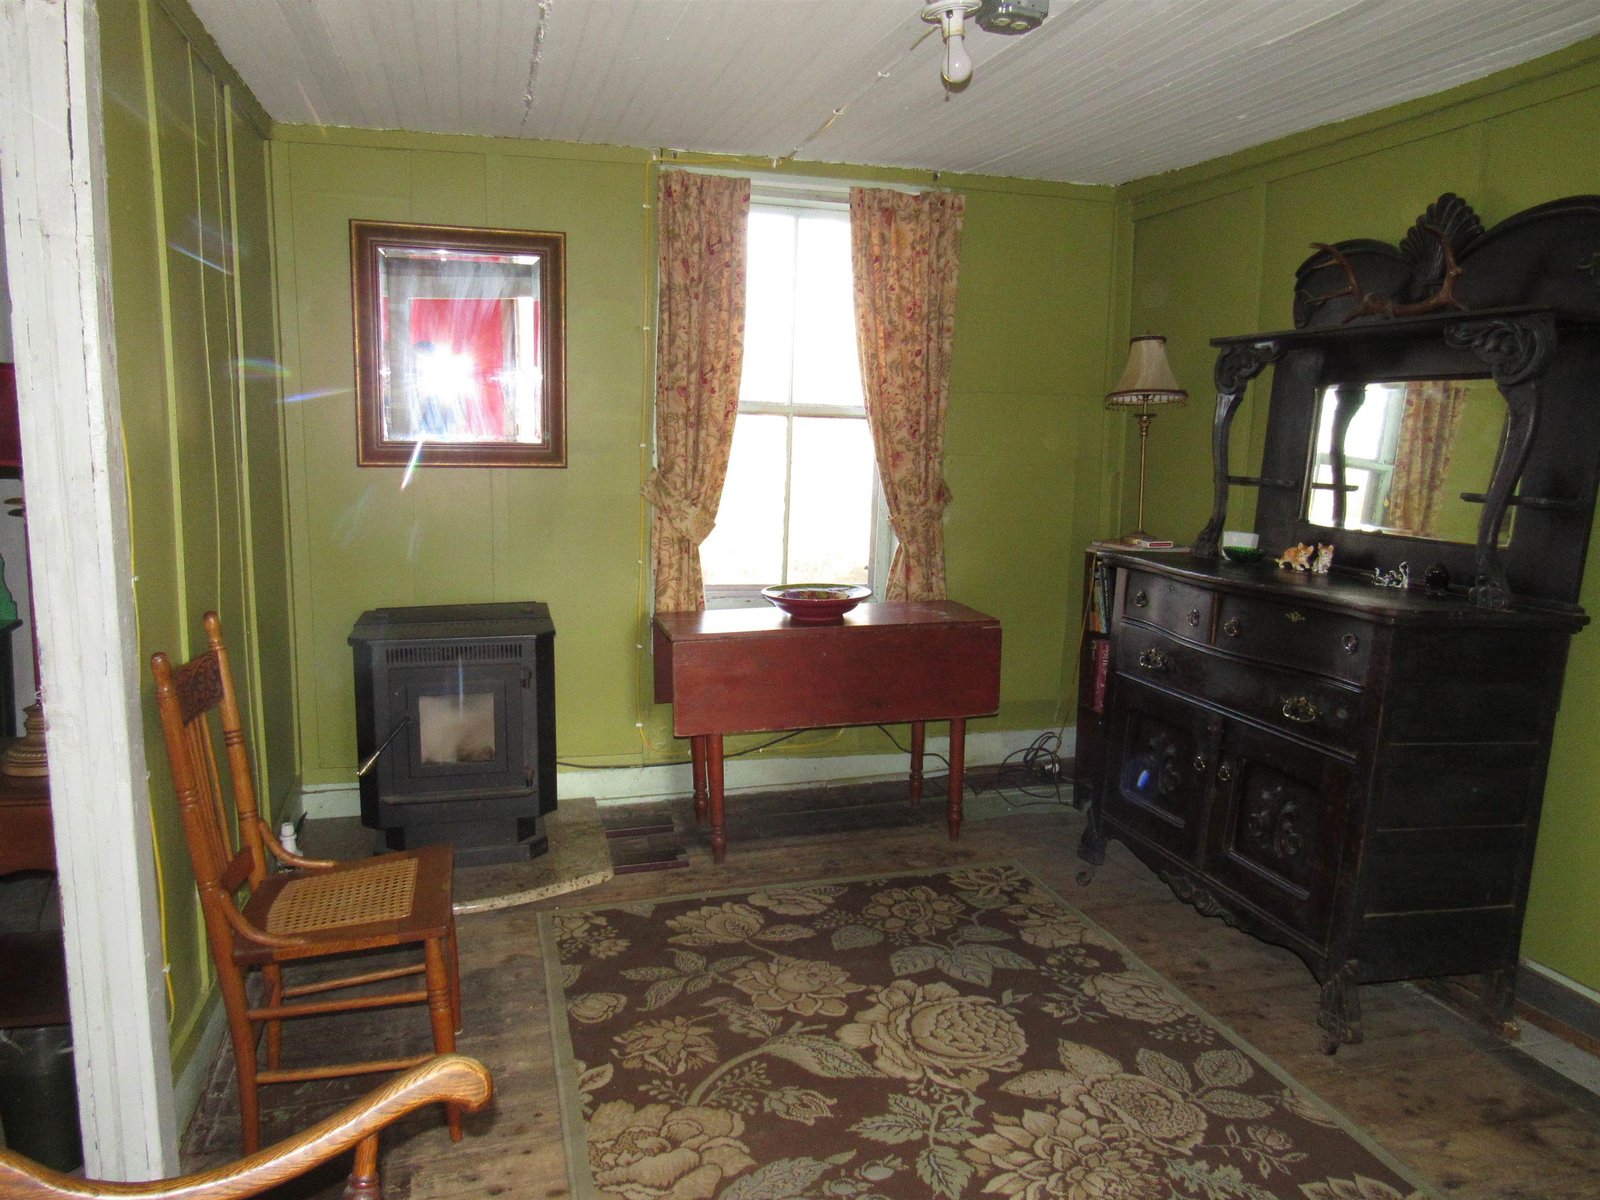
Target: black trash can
(39, 1096)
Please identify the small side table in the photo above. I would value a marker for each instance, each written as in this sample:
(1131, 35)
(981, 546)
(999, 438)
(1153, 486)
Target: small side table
(33, 972)
(8, 700)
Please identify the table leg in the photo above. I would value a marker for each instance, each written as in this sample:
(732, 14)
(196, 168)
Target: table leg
(719, 837)
(958, 760)
(697, 755)
(919, 738)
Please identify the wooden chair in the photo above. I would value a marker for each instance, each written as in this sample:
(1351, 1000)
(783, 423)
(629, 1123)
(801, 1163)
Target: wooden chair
(460, 1082)
(309, 911)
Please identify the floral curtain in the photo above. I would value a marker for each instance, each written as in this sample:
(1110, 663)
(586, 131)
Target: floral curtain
(699, 351)
(906, 250)
(1428, 426)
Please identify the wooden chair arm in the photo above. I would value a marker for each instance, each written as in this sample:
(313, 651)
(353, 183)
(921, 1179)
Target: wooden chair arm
(449, 1078)
(275, 848)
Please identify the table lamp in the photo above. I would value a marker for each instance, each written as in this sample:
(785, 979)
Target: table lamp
(1147, 382)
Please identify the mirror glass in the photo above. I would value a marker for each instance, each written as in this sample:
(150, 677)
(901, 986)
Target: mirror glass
(458, 346)
(1411, 449)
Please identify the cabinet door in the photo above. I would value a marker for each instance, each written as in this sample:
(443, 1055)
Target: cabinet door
(1277, 839)
(1158, 768)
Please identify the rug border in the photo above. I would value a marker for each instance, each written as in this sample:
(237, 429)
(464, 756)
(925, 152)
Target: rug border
(580, 1179)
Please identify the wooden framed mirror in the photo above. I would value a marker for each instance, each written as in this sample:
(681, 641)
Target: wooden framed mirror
(460, 346)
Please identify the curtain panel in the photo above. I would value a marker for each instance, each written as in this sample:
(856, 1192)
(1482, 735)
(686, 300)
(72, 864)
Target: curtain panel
(1429, 423)
(906, 253)
(699, 352)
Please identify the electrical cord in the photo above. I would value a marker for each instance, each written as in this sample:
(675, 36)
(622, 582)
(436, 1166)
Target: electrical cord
(1020, 771)
(677, 762)
(1025, 770)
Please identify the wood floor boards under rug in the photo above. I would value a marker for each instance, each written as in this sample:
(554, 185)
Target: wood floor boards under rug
(1469, 1113)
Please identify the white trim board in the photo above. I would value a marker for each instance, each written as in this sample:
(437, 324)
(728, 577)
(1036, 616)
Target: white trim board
(622, 785)
(57, 245)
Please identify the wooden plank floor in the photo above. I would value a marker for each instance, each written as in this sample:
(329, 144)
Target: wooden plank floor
(1468, 1112)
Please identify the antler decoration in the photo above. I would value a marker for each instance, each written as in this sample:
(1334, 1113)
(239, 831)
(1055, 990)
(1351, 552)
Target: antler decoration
(1430, 252)
(1373, 304)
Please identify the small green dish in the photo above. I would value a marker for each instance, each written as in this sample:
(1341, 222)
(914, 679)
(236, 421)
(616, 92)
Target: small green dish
(1244, 554)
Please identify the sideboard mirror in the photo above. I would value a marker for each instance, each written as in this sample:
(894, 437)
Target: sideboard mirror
(1435, 403)
(1407, 457)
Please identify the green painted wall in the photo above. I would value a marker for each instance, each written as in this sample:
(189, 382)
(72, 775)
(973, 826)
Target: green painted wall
(1214, 250)
(192, 290)
(1027, 370)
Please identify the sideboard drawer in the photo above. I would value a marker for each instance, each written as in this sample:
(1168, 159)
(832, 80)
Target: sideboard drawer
(1179, 608)
(1290, 635)
(1318, 710)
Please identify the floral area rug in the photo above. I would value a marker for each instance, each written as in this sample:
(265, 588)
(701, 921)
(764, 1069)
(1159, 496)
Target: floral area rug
(946, 1034)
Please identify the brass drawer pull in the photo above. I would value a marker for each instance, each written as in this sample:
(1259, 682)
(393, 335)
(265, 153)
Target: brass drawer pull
(1294, 616)
(1231, 627)
(1300, 708)
(1155, 659)
(1350, 642)
(1224, 773)
(1140, 599)
(1194, 616)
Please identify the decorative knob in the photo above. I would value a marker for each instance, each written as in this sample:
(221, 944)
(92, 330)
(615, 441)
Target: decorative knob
(1294, 616)
(1350, 642)
(1231, 627)
(1224, 773)
(1194, 616)
(1200, 764)
(1155, 659)
(1300, 708)
(1140, 599)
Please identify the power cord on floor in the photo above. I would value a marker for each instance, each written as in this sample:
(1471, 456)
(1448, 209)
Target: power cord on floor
(1030, 770)
(1036, 771)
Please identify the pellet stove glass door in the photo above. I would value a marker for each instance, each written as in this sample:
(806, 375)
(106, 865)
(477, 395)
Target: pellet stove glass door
(463, 735)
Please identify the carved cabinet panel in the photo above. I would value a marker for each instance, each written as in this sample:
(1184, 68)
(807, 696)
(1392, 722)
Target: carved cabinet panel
(1277, 841)
(1162, 747)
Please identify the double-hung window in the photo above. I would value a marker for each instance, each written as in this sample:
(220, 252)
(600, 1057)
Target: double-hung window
(801, 503)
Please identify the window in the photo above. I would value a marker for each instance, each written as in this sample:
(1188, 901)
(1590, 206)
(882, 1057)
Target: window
(801, 502)
(1369, 454)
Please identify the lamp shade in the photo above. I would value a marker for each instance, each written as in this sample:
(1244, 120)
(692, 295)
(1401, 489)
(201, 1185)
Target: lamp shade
(1147, 380)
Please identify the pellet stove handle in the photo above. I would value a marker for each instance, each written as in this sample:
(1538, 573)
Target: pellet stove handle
(374, 756)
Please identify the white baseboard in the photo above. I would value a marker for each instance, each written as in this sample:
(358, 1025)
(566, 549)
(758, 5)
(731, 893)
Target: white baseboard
(190, 1083)
(623, 785)
(1554, 994)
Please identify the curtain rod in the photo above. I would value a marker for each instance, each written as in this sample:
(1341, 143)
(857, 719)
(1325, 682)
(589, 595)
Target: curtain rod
(772, 181)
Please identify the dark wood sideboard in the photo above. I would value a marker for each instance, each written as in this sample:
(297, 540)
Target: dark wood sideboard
(1349, 769)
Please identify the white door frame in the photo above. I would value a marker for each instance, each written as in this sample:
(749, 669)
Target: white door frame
(58, 257)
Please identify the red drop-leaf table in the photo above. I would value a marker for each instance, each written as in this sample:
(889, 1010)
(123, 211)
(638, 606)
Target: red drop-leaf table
(750, 670)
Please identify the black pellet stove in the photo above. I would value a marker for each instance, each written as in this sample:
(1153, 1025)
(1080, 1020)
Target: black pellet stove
(456, 727)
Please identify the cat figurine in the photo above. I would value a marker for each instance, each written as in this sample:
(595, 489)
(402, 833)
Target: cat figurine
(1323, 563)
(1296, 557)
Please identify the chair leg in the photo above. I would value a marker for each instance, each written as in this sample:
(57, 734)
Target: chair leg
(273, 974)
(242, 1032)
(454, 964)
(436, 958)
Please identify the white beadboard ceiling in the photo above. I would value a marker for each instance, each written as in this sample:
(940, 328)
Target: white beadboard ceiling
(1103, 92)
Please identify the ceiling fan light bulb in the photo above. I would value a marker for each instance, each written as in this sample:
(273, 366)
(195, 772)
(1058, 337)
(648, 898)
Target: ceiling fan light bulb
(957, 62)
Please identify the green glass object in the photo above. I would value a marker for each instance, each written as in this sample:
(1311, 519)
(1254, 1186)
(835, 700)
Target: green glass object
(8, 603)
